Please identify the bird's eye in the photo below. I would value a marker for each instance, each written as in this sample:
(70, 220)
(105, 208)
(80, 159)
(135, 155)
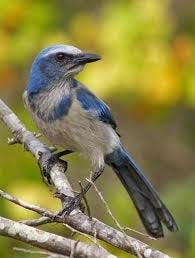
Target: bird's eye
(60, 57)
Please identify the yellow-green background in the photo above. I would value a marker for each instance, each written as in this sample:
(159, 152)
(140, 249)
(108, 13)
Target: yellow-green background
(147, 75)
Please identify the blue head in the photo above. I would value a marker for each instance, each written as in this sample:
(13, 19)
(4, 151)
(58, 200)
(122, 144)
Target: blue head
(55, 64)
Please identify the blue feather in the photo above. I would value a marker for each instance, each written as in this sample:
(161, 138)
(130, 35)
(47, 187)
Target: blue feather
(93, 104)
(61, 109)
(58, 111)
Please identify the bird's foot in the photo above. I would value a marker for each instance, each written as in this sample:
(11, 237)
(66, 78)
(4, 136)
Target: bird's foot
(47, 162)
(72, 204)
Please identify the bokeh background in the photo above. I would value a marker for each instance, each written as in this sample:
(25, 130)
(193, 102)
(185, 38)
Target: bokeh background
(147, 76)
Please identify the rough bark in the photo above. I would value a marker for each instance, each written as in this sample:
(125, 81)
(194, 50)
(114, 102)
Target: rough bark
(49, 241)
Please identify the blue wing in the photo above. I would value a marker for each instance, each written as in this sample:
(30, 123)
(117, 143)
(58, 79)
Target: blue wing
(93, 104)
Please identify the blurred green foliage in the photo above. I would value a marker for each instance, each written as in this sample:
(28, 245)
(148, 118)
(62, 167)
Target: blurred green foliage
(147, 75)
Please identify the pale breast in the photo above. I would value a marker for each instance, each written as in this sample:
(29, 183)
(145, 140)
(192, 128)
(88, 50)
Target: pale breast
(80, 131)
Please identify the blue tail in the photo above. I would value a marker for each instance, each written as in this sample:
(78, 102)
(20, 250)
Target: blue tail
(151, 209)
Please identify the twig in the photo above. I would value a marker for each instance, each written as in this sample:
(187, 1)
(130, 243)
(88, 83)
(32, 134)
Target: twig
(37, 222)
(105, 204)
(49, 254)
(86, 202)
(138, 232)
(26, 205)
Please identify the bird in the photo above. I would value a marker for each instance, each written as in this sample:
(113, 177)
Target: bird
(69, 115)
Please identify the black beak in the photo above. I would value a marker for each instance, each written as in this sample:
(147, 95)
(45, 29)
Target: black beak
(85, 58)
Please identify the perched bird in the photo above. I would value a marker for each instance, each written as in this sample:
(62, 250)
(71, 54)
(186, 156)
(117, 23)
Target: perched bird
(71, 116)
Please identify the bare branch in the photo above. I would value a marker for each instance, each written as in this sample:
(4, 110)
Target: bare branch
(49, 241)
(37, 222)
(76, 219)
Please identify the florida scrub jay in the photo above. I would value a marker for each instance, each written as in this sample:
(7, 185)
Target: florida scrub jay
(71, 116)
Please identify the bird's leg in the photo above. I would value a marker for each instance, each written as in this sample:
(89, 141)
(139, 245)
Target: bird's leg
(62, 153)
(75, 201)
(66, 199)
(46, 163)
